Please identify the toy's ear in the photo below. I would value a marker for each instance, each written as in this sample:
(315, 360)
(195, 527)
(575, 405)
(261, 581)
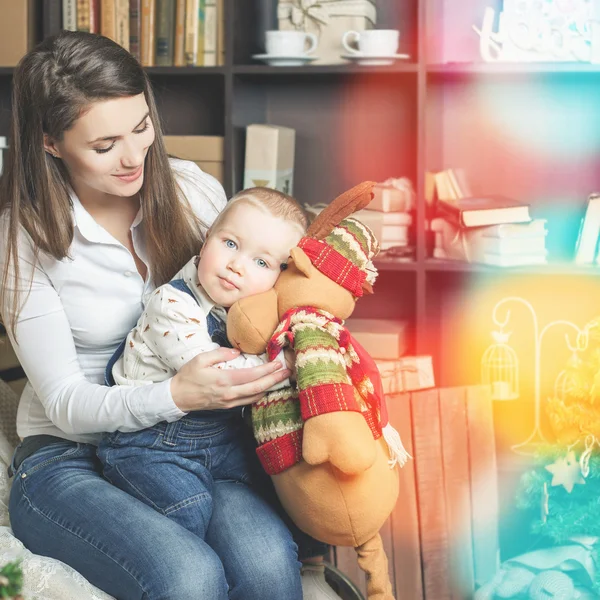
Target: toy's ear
(301, 261)
(343, 206)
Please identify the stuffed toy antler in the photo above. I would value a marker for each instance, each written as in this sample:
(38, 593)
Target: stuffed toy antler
(343, 206)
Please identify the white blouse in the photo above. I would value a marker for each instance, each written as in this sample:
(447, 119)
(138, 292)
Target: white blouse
(78, 311)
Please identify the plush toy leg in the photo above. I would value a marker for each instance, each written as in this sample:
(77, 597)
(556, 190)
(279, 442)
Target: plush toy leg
(373, 561)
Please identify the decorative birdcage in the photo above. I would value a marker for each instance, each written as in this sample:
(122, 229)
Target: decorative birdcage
(500, 368)
(567, 382)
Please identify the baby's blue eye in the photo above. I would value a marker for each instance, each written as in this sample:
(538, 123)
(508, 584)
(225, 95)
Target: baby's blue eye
(231, 244)
(261, 263)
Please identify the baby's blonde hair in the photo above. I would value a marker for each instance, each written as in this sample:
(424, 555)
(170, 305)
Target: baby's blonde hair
(274, 202)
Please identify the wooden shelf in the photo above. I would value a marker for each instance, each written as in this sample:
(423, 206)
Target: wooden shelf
(191, 71)
(451, 266)
(395, 264)
(349, 69)
(509, 68)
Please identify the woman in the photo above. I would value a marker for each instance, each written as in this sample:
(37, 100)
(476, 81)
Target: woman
(94, 216)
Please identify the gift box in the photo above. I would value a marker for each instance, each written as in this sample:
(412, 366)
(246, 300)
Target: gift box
(393, 195)
(406, 374)
(205, 150)
(381, 338)
(328, 20)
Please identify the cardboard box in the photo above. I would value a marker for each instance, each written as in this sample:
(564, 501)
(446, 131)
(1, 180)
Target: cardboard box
(406, 374)
(269, 158)
(381, 338)
(17, 30)
(328, 21)
(205, 150)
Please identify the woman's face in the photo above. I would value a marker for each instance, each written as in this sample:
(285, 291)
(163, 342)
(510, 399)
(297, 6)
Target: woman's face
(105, 149)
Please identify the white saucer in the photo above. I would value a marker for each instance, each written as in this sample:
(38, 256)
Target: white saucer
(284, 61)
(374, 61)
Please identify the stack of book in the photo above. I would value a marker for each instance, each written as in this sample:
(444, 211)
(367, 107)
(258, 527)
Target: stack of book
(390, 228)
(157, 32)
(502, 245)
(492, 230)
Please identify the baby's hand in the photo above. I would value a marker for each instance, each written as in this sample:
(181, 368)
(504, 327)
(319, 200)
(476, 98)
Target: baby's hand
(290, 361)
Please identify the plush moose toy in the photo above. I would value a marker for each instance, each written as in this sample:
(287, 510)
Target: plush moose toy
(325, 441)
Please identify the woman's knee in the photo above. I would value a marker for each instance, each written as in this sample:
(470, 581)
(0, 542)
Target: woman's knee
(203, 577)
(273, 576)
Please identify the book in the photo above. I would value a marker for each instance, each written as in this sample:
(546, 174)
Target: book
(485, 210)
(221, 32)
(83, 15)
(192, 9)
(165, 32)
(122, 8)
(95, 16)
(535, 228)
(179, 50)
(443, 187)
(210, 33)
(148, 33)
(386, 226)
(460, 185)
(484, 244)
(108, 21)
(70, 15)
(200, 41)
(135, 27)
(589, 232)
(51, 17)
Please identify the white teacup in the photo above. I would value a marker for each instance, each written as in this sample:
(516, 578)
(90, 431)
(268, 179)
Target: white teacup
(289, 43)
(372, 42)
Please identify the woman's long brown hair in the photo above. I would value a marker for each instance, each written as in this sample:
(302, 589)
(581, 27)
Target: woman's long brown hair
(53, 85)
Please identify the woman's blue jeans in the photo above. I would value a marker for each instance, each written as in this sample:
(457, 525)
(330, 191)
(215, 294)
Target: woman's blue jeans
(61, 506)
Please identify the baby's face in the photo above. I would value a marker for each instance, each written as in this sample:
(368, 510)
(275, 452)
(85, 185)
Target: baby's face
(243, 255)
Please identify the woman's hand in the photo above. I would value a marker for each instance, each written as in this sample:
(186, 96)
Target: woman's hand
(199, 386)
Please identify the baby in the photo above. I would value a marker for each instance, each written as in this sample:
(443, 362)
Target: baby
(173, 466)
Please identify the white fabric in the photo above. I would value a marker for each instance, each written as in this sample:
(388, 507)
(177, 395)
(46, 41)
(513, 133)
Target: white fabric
(85, 305)
(171, 331)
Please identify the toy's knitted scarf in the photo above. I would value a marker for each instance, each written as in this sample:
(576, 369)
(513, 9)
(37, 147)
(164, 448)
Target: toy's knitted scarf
(334, 373)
